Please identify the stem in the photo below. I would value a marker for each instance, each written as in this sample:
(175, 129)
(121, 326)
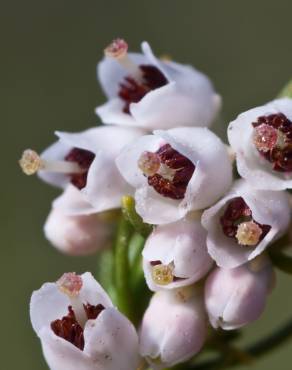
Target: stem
(256, 350)
(121, 265)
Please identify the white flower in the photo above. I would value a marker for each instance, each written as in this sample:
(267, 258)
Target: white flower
(80, 329)
(262, 141)
(175, 255)
(146, 92)
(242, 224)
(74, 227)
(173, 328)
(175, 171)
(236, 297)
(87, 160)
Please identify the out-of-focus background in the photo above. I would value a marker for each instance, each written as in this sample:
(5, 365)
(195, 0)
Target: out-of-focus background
(49, 51)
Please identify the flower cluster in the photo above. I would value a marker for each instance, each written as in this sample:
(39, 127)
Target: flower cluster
(205, 257)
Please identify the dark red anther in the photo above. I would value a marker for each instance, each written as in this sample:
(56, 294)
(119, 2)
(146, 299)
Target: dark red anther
(281, 155)
(236, 212)
(132, 91)
(68, 327)
(84, 158)
(174, 188)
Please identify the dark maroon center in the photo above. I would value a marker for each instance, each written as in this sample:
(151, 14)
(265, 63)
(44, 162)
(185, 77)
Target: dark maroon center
(236, 212)
(68, 327)
(83, 158)
(132, 91)
(280, 157)
(175, 188)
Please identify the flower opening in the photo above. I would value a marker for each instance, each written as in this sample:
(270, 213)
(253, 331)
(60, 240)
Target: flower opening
(273, 139)
(167, 171)
(237, 223)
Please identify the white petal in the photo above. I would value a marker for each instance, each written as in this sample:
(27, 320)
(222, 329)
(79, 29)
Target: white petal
(73, 203)
(127, 161)
(111, 341)
(92, 292)
(111, 112)
(47, 304)
(62, 355)
(110, 73)
(56, 151)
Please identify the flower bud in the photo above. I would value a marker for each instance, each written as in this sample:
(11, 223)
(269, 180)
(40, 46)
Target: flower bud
(244, 223)
(173, 327)
(74, 227)
(175, 255)
(236, 297)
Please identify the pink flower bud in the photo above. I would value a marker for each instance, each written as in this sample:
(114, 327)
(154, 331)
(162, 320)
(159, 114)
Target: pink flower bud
(80, 329)
(175, 255)
(236, 297)
(173, 328)
(74, 227)
(144, 91)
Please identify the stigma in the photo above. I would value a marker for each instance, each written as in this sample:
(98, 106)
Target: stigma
(162, 274)
(75, 165)
(272, 137)
(237, 223)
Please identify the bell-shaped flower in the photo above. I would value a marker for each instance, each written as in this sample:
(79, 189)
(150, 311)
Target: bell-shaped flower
(86, 160)
(147, 92)
(262, 141)
(175, 172)
(80, 329)
(236, 297)
(175, 255)
(74, 227)
(242, 224)
(174, 327)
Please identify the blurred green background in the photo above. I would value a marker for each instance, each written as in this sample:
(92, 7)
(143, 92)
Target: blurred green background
(49, 51)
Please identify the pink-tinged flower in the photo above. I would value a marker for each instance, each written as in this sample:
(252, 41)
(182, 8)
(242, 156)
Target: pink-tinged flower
(80, 329)
(173, 327)
(236, 297)
(74, 227)
(86, 160)
(147, 92)
(175, 255)
(242, 224)
(175, 171)
(262, 141)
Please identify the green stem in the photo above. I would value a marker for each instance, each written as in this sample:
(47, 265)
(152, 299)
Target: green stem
(256, 350)
(121, 265)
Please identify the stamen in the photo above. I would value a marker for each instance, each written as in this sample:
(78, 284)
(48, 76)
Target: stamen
(248, 233)
(71, 284)
(162, 274)
(118, 50)
(31, 163)
(237, 223)
(273, 140)
(168, 171)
